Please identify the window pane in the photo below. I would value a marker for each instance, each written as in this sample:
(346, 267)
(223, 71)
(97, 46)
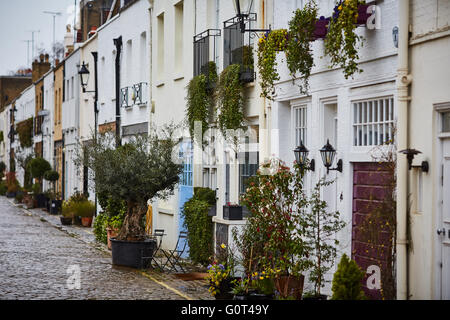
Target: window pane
(446, 122)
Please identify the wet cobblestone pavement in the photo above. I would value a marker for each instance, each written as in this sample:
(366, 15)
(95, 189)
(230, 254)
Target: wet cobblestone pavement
(36, 253)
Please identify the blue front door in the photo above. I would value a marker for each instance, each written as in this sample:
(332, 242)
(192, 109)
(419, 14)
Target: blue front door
(185, 188)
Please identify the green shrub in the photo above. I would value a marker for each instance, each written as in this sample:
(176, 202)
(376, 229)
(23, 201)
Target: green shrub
(51, 175)
(200, 230)
(347, 281)
(84, 209)
(3, 188)
(205, 194)
(38, 167)
(100, 224)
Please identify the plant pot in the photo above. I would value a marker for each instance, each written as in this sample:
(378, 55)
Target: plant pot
(133, 254)
(320, 29)
(111, 233)
(55, 206)
(232, 212)
(290, 286)
(66, 221)
(10, 194)
(212, 211)
(28, 201)
(318, 297)
(247, 75)
(225, 290)
(260, 296)
(86, 221)
(40, 198)
(362, 14)
(77, 221)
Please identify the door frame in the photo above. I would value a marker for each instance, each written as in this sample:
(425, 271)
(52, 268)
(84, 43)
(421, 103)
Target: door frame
(439, 109)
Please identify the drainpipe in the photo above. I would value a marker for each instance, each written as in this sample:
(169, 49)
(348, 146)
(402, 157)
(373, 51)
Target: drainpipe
(150, 59)
(403, 81)
(118, 44)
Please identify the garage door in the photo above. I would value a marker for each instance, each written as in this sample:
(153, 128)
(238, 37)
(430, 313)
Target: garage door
(372, 238)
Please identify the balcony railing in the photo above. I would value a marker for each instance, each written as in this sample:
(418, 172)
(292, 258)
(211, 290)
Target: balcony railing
(204, 51)
(134, 95)
(237, 48)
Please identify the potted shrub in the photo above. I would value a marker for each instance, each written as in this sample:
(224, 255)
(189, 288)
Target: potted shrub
(85, 210)
(320, 226)
(67, 213)
(240, 289)
(54, 202)
(141, 170)
(347, 281)
(221, 273)
(38, 166)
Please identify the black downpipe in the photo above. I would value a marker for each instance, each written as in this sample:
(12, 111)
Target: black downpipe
(118, 44)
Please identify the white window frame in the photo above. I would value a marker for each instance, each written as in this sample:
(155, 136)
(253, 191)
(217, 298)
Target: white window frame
(365, 115)
(299, 116)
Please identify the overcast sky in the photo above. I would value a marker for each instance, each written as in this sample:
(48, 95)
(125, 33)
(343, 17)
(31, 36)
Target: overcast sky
(19, 17)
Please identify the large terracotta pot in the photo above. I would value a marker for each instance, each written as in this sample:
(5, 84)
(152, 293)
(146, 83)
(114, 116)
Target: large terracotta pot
(86, 221)
(111, 233)
(290, 286)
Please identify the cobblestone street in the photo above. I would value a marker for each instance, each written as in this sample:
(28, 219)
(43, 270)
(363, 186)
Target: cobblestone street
(36, 253)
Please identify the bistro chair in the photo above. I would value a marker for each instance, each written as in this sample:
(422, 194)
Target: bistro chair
(173, 256)
(158, 235)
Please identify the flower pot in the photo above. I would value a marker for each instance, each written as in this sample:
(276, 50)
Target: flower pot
(133, 254)
(318, 297)
(66, 221)
(55, 206)
(320, 29)
(111, 233)
(212, 211)
(247, 75)
(362, 14)
(232, 212)
(77, 221)
(28, 201)
(40, 198)
(86, 221)
(10, 194)
(290, 286)
(259, 296)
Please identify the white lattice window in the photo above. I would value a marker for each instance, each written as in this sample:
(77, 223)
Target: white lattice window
(373, 121)
(300, 124)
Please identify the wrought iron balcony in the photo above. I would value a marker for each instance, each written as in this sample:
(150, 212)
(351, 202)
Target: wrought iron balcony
(204, 51)
(237, 48)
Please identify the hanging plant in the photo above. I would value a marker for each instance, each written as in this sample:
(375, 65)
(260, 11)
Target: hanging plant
(268, 46)
(299, 55)
(230, 99)
(200, 99)
(25, 131)
(341, 41)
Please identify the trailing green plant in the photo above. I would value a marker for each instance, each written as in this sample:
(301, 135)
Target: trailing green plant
(341, 41)
(319, 229)
(200, 100)
(25, 131)
(230, 99)
(347, 281)
(299, 55)
(199, 225)
(268, 46)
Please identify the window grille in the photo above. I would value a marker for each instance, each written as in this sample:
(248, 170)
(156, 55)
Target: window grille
(373, 122)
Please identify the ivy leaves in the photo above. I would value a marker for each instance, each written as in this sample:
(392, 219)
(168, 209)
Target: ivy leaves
(341, 41)
(299, 56)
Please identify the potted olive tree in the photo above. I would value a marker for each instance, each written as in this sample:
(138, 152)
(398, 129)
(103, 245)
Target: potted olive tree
(38, 166)
(140, 170)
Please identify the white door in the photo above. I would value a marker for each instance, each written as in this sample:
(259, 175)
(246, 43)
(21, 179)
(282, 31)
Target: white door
(443, 231)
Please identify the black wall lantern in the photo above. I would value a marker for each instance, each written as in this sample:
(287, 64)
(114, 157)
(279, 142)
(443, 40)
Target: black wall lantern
(410, 154)
(328, 153)
(301, 156)
(242, 8)
(84, 76)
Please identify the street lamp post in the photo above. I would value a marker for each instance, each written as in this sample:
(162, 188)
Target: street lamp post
(84, 77)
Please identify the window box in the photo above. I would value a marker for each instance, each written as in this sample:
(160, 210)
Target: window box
(212, 211)
(232, 212)
(320, 30)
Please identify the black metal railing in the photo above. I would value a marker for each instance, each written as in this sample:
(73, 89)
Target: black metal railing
(138, 93)
(124, 98)
(203, 43)
(237, 49)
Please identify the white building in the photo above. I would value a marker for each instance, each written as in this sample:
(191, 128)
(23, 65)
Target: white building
(47, 124)
(71, 124)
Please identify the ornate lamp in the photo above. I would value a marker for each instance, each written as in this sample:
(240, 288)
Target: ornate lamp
(328, 153)
(84, 76)
(301, 156)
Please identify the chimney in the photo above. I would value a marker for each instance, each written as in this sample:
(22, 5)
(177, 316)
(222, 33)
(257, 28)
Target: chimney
(39, 68)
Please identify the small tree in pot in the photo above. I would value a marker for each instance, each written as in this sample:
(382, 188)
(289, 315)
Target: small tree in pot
(38, 166)
(140, 170)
